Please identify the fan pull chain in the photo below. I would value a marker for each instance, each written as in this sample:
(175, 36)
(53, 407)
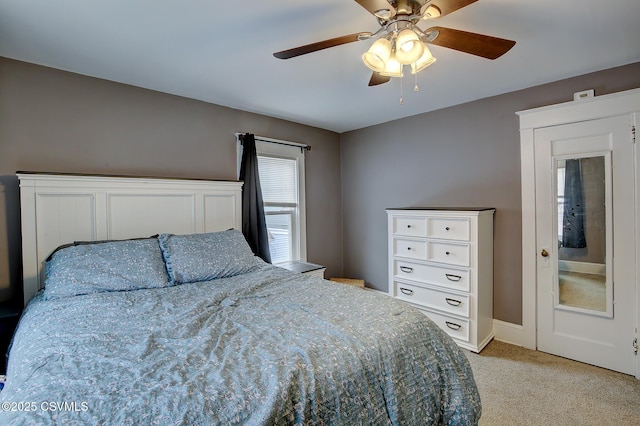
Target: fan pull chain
(416, 88)
(401, 97)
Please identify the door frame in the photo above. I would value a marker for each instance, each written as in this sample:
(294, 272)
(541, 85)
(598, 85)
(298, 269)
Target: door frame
(621, 103)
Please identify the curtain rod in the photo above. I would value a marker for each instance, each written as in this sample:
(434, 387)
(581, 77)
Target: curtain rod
(277, 141)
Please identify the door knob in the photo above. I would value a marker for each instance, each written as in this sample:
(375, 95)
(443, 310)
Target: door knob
(544, 253)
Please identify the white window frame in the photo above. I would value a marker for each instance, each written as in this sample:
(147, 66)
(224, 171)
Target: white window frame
(290, 150)
(562, 165)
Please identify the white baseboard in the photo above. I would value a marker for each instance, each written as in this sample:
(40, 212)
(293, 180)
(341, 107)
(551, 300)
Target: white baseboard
(508, 332)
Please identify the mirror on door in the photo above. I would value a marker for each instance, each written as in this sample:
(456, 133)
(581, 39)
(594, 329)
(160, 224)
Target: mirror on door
(582, 196)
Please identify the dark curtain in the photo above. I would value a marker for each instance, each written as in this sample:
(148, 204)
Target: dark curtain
(254, 226)
(573, 218)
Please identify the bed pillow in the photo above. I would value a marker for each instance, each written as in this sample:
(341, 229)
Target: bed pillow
(78, 243)
(105, 266)
(204, 257)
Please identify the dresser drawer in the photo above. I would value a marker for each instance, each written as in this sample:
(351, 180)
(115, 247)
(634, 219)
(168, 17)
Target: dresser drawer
(410, 226)
(412, 249)
(435, 299)
(436, 275)
(452, 254)
(448, 228)
(454, 327)
(436, 251)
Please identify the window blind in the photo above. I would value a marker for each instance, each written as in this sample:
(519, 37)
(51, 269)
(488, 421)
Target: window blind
(278, 179)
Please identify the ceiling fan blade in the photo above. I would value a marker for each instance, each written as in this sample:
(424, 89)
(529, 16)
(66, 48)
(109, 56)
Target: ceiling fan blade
(448, 6)
(377, 78)
(375, 5)
(314, 47)
(476, 44)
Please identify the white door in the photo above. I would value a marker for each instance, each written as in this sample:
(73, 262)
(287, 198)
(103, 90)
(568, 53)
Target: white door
(585, 237)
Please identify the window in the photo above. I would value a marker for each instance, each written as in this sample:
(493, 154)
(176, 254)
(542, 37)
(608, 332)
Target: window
(281, 169)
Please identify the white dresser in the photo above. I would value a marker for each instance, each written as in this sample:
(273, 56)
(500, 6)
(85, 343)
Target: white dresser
(441, 262)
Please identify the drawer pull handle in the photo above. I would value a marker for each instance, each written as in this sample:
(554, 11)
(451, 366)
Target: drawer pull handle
(409, 248)
(406, 269)
(453, 325)
(454, 278)
(453, 302)
(406, 291)
(447, 253)
(447, 228)
(408, 226)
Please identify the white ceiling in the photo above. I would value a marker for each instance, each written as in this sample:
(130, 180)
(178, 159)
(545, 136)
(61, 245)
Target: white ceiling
(221, 52)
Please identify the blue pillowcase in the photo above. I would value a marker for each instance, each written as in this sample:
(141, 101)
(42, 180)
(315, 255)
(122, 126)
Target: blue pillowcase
(105, 266)
(101, 266)
(204, 257)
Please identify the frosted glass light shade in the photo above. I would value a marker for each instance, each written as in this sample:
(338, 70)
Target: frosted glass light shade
(409, 48)
(377, 55)
(430, 12)
(392, 68)
(425, 60)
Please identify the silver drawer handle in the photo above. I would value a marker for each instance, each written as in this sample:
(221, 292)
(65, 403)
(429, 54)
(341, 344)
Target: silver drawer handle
(454, 278)
(453, 325)
(406, 291)
(453, 302)
(406, 269)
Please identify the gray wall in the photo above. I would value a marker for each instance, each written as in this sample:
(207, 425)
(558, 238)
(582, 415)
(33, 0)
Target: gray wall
(57, 121)
(466, 155)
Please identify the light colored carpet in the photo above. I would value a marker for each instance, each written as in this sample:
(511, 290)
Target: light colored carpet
(524, 387)
(583, 290)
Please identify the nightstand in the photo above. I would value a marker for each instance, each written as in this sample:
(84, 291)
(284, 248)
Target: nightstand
(304, 268)
(9, 316)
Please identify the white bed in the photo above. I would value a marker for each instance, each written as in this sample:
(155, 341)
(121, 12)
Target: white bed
(189, 327)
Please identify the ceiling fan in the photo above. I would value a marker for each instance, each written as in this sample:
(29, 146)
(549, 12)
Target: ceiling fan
(402, 42)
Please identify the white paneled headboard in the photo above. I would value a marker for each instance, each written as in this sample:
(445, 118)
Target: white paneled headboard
(59, 209)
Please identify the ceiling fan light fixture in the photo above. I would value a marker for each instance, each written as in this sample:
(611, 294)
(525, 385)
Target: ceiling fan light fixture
(409, 48)
(425, 60)
(392, 68)
(400, 42)
(430, 12)
(377, 55)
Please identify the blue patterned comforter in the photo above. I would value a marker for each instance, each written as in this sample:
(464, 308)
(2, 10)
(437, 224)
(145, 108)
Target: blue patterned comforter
(262, 348)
